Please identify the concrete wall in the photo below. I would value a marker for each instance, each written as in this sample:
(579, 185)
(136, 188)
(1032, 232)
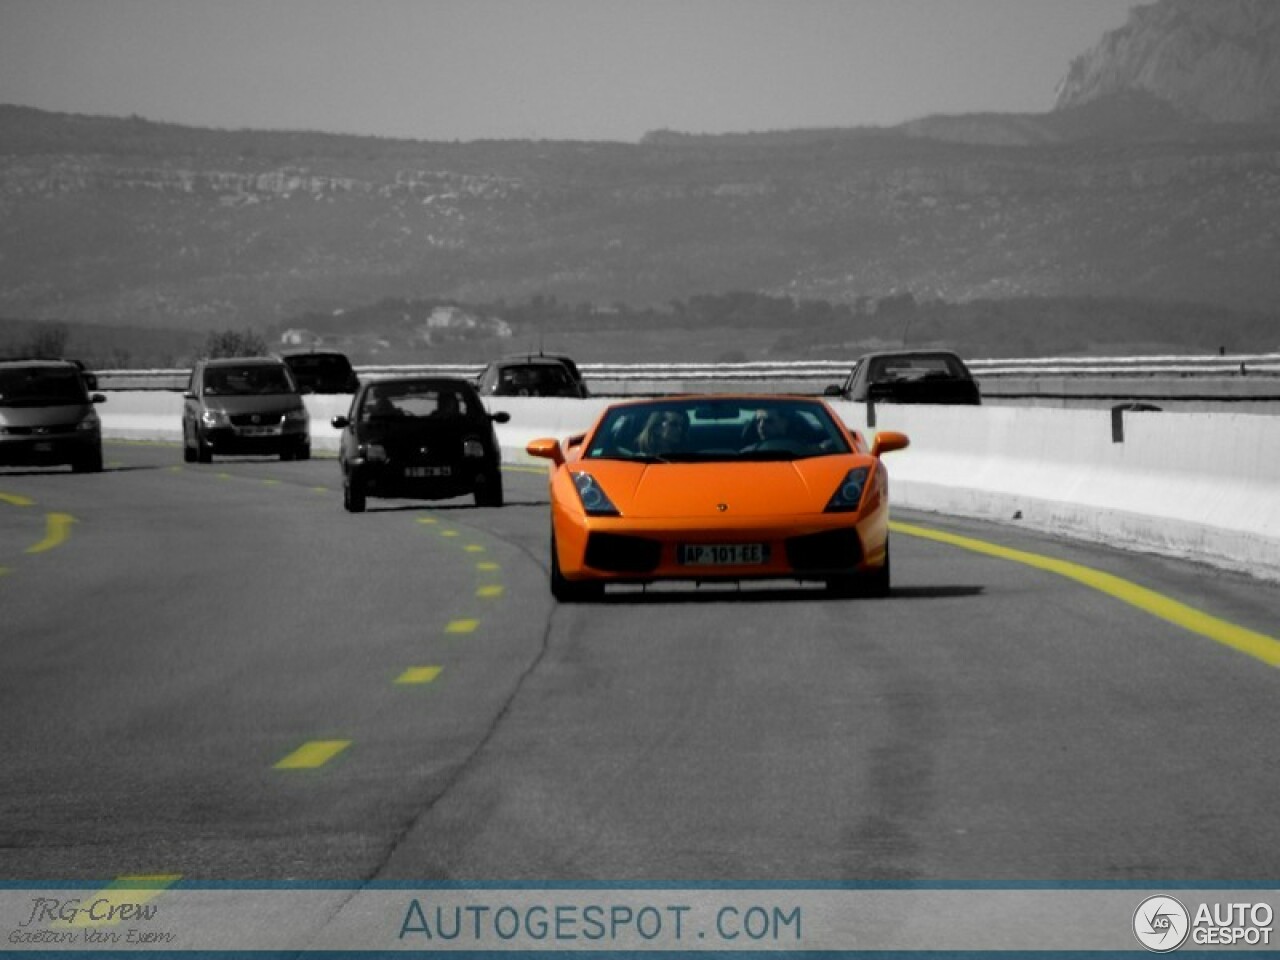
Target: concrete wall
(1204, 486)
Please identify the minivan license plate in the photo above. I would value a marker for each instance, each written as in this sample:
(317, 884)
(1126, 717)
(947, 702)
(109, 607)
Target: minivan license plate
(427, 471)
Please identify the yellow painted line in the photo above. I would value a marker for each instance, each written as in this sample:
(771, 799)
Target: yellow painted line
(448, 533)
(17, 500)
(57, 529)
(224, 476)
(1257, 645)
(488, 566)
(473, 548)
(119, 900)
(271, 483)
(419, 675)
(540, 471)
(427, 520)
(320, 489)
(491, 590)
(314, 754)
(175, 469)
(462, 626)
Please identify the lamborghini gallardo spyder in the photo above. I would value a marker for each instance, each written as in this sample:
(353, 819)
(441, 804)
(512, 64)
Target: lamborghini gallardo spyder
(709, 488)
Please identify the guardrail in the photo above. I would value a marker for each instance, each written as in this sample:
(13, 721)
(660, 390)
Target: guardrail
(816, 372)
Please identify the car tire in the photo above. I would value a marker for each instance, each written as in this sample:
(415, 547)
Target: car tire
(89, 463)
(188, 452)
(303, 452)
(204, 453)
(874, 584)
(489, 494)
(569, 591)
(354, 498)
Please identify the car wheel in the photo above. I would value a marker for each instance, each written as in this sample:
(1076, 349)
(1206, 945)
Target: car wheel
(287, 453)
(188, 451)
(874, 584)
(353, 495)
(304, 452)
(204, 453)
(568, 591)
(489, 493)
(89, 463)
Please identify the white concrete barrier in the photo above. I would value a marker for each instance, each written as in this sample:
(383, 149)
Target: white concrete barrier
(1203, 486)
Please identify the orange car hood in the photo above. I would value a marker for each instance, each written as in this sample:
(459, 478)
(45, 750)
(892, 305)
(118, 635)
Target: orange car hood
(697, 489)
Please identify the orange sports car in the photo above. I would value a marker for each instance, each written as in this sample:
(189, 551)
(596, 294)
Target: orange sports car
(721, 487)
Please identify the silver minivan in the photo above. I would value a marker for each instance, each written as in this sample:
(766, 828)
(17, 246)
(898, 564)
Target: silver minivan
(244, 405)
(47, 416)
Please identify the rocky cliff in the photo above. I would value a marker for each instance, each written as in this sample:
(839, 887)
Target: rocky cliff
(1214, 60)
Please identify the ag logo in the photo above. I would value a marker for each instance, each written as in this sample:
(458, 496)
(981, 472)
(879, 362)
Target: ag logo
(1161, 924)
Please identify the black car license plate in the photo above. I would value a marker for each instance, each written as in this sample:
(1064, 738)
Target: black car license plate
(724, 554)
(428, 472)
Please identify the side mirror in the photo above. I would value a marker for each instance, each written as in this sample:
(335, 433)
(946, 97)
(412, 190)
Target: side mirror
(188, 395)
(97, 398)
(576, 440)
(833, 391)
(339, 423)
(500, 417)
(887, 440)
(546, 448)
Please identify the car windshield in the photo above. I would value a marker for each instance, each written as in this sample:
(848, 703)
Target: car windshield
(428, 401)
(41, 387)
(923, 366)
(320, 365)
(701, 429)
(246, 381)
(542, 379)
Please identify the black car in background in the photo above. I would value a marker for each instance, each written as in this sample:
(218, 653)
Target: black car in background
(532, 375)
(427, 438)
(909, 376)
(244, 405)
(322, 371)
(47, 416)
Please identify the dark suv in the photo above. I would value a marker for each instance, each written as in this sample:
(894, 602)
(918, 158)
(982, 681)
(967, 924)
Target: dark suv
(909, 376)
(322, 371)
(244, 405)
(47, 416)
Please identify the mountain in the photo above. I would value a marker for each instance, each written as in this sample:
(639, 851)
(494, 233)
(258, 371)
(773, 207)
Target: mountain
(1216, 60)
(1136, 187)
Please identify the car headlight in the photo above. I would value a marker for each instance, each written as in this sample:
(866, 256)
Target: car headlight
(372, 451)
(594, 500)
(471, 447)
(90, 422)
(849, 494)
(297, 416)
(215, 418)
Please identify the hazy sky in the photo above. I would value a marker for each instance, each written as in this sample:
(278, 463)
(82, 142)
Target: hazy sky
(554, 69)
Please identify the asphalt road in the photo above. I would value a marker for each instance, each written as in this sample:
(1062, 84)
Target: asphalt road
(213, 671)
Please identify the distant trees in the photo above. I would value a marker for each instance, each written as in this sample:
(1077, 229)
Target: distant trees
(234, 343)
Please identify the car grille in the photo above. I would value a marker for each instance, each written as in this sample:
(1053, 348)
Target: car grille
(37, 431)
(832, 550)
(622, 554)
(255, 419)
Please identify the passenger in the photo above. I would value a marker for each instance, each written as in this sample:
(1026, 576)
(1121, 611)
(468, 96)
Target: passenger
(771, 426)
(447, 405)
(664, 432)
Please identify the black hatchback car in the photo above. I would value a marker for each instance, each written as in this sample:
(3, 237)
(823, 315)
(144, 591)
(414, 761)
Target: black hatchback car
(427, 438)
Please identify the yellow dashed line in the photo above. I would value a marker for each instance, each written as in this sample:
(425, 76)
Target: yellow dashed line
(271, 482)
(224, 476)
(540, 471)
(109, 906)
(416, 675)
(492, 590)
(57, 529)
(462, 626)
(448, 533)
(1258, 645)
(17, 500)
(320, 489)
(473, 548)
(314, 754)
(427, 520)
(487, 566)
